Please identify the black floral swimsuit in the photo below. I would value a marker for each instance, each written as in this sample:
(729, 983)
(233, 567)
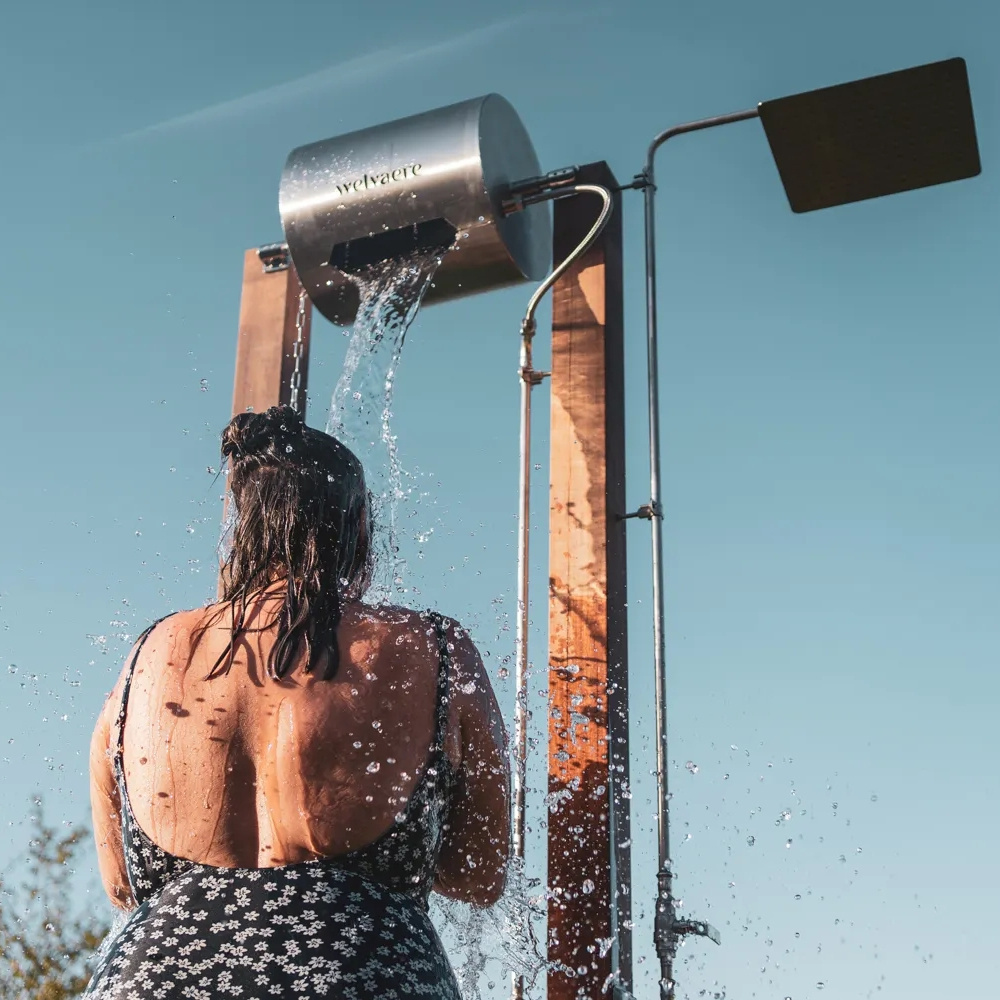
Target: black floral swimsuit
(354, 925)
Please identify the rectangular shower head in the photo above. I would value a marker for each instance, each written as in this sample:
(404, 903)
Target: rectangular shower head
(873, 137)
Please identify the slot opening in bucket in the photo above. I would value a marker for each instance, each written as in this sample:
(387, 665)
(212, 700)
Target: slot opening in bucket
(354, 256)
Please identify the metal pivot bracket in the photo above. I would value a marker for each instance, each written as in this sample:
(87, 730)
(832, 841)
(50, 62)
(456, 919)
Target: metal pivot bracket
(274, 257)
(647, 512)
(532, 190)
(533, 377)
(640, 182)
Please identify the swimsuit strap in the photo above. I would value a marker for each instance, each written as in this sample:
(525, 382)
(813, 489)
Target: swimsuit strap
(444, 672)
(123, 707)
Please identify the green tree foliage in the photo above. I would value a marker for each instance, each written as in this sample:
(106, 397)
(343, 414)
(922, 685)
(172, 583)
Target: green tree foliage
(45, 940)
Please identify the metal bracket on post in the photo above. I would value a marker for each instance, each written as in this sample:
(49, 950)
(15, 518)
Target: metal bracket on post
(274, 257)
(647, 512)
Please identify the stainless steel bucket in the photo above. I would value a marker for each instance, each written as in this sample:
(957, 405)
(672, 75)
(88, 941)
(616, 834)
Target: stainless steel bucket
(432, 180)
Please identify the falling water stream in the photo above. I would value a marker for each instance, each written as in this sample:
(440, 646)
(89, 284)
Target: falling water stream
(484, 945)
(361, 407)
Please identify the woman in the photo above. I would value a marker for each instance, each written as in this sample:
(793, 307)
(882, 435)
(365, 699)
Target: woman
(279, 780)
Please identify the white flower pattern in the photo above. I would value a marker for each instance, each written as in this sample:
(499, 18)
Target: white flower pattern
(353, 926)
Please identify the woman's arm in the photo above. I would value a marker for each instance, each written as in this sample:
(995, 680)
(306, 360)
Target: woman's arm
(476, 849)
(106, 809)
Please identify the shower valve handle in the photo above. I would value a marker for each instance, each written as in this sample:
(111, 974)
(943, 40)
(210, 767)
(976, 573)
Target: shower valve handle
(698, 928)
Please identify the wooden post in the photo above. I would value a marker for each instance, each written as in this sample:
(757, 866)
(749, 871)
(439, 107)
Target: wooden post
(265, 346)
(589, 858)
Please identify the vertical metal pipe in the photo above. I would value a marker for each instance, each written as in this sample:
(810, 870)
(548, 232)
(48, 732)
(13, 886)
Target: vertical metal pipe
(529, 379)
(521, 633)
(664, 902)
(521, 628)
(665, 929)
(659, 647)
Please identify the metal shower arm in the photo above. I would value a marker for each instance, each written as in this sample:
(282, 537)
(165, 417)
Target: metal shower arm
(697, 126)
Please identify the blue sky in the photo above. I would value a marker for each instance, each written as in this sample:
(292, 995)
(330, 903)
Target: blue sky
(830, 424)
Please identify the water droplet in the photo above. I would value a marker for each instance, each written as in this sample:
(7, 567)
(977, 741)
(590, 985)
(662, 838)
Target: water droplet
(376, 724)
(692, 767)
(788, 843)
(373, 767)
(357, 744)
(204, 385)
(751, 841)
(588, 887)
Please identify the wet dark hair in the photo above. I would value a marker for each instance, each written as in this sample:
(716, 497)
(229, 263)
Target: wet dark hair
(301, 512)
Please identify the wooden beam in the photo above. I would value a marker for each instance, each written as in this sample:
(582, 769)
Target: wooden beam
(265, 343)
(265, 346)
(589, 857)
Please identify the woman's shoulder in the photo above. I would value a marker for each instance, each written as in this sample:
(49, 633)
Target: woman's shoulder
(176, 636)
(423, 631)
(423, 621)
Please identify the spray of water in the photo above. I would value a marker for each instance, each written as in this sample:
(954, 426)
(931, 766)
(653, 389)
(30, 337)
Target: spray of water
(361, 407)
(487, 945)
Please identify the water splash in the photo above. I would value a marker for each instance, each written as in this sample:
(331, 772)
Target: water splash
(486, 945)
(361, 407)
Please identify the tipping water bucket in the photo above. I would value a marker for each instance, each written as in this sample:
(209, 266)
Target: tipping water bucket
(434, 180)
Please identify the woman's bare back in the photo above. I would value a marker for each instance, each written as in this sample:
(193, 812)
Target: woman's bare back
(245, 771)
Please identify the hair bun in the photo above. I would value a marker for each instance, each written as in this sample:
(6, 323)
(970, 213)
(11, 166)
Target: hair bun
(272, 434)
